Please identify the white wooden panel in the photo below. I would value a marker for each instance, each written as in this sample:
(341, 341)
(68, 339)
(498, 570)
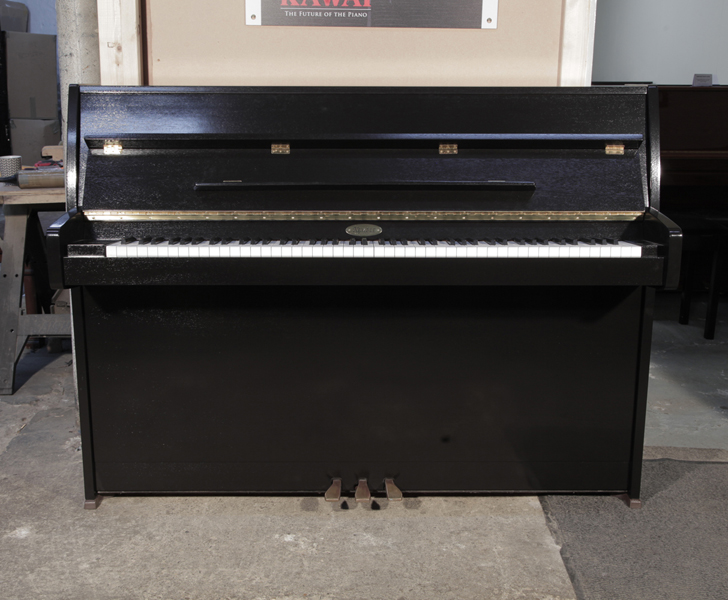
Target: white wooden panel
(120, 42)
(549, 42)
(577, 42)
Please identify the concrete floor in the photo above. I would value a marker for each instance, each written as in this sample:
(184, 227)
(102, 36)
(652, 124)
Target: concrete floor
(296, 548)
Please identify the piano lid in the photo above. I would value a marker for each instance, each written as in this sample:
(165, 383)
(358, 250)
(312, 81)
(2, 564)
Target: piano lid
(369, 149)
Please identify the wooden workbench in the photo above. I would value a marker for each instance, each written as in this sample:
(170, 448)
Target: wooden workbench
(24, 237)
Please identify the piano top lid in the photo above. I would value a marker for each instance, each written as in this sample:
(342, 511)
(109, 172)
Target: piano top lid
(173, 140)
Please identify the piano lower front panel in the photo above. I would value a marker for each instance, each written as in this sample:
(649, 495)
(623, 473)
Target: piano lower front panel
(246, 389)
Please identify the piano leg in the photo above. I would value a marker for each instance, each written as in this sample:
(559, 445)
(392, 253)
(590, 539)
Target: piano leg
(630, 502)
(93, 504)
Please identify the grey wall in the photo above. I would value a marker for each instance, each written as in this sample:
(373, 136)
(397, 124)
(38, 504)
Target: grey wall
(663, 41)
(42, 16)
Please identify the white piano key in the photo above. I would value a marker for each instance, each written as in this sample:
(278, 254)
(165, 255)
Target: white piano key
(236, 249)
(420, 250)
(215, 250)
(306, 249)
(194, 250)
(409, 249)
(204, 249)
(132, 249)
(243, 248)
(318, 250)
(184, 250)
(112, 250)
(399, 250)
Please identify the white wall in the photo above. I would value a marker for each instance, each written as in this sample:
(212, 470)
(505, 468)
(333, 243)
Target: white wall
(42, 16)
(663, 41)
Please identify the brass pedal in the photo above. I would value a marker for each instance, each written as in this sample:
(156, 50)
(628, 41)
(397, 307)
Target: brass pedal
(362, 493)
(333, 494)
(393, 492)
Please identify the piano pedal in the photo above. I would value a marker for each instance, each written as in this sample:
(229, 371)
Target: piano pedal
(362, 493)
(394, 494)
(333, 494)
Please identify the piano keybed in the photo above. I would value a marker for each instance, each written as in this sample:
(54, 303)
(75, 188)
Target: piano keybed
(381, 248)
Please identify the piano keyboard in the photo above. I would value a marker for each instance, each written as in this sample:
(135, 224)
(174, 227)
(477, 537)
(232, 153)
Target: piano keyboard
(200, 248)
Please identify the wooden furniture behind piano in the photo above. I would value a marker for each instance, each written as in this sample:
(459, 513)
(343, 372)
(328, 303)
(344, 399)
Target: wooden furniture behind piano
(294, 290)
(694, 189)
(23, 236)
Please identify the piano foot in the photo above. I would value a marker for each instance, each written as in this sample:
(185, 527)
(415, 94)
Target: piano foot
(93, 504)
(333, 494)
(362, 493)
(393, 492)
(630, 502)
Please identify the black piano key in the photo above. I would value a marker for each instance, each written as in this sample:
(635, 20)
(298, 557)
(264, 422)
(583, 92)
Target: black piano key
(175, 240)
(380, 242)
(296, 242)
(421, 242)
(186, 241)
(352, 242)
(129, 240)
(450, 242)
(364, 242)
(197, 241)
(157, 240)
(613, 242)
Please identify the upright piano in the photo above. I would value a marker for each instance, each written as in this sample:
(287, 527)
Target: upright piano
(362, 291)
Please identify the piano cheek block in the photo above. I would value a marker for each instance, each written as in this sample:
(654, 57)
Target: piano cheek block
(326, 303)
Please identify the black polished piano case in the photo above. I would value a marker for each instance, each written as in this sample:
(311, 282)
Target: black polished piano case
(485, 329)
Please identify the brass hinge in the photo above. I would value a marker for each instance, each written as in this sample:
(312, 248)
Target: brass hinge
(112, 147)
(448, 148)
(280, 148)
(614, 149)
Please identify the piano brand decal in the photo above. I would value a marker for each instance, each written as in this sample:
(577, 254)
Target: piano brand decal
(363, 230)
(454, 14)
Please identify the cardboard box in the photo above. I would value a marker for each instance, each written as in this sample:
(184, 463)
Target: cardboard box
(32, 79)
(28, 136)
